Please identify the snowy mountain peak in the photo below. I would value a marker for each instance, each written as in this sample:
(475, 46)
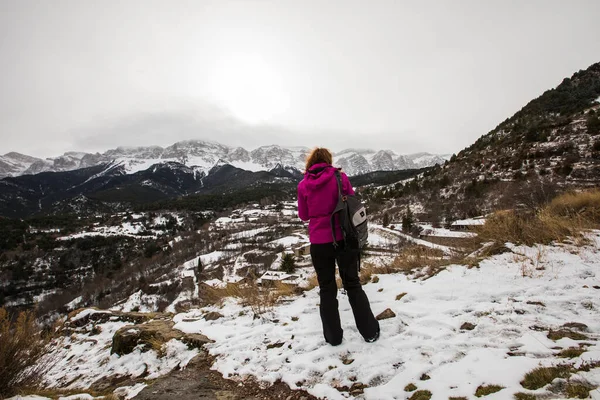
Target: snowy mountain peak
(203, 155)
(355, 151)
(18, 157)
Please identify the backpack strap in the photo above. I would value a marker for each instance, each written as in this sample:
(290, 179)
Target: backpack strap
(339, 207)
(338, 177)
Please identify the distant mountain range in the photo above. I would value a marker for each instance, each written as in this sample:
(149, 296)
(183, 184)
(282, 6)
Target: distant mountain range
(204, 155)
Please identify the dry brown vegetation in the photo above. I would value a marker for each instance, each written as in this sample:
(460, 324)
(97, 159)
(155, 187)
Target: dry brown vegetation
(259, 299)
(411, 258)
(566, 216)
(22, 346)
(311, 283)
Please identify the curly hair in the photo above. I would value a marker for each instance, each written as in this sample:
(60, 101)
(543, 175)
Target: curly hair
(318, 155)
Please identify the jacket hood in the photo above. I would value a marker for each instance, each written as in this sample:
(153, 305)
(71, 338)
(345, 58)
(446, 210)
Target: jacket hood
(319, 174)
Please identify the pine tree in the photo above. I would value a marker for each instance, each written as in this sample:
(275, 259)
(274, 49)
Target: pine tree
(593, 123)
(288, 263)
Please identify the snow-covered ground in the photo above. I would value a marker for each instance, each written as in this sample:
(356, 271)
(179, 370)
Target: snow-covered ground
(378, 229)
(84, 357)
(513, 300)
(132, 228)
(429, 230)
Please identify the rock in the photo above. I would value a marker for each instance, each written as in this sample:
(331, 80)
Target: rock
(467, 326)
(388, 313)
(101, 316)
(212, 316)
(108, 383)
(125, 340)
(150, 334)
(195, 340)
(400, 296)
(226, 395)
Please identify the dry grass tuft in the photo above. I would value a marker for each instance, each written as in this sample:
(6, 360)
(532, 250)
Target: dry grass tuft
(565, 216)
(22, 346)
(259, 299)
(414, 257)
(542, 376)
(524, 396)
(565, 333)
(420, 395)
(571, 352)
(523, 228)
(578, 390)
(410, 259)
(411, 387)
(158, 346)
(312, 283)
(577, 205)
(487, 389)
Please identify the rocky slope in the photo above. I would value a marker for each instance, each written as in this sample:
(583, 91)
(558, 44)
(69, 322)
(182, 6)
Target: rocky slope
(552, 144)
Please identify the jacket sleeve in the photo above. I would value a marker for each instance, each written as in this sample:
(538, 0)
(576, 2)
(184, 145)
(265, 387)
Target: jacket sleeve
(346, 186)
(302, 205)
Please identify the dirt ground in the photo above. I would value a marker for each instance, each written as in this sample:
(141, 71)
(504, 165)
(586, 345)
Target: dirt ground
(198, 382)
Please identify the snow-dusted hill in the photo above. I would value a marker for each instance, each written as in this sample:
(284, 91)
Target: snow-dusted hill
(205, 154)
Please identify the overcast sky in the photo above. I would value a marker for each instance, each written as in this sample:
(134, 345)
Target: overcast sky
(404, 75)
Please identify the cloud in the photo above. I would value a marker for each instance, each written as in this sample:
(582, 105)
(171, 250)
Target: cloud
(164, 128)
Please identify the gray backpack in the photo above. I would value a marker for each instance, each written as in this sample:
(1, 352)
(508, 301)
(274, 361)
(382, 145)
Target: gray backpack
(353, 219)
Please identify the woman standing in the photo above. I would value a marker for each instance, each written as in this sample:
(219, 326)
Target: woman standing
(317, 198)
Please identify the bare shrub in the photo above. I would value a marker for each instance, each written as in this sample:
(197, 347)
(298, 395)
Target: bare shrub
(22, 346)
(259, 299)
(411, 258)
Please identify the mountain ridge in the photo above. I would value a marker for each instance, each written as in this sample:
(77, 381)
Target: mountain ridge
(552, 144)
(205, 154)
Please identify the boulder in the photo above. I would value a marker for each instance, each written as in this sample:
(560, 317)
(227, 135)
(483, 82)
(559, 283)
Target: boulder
(150, 334)
(467, 326)
(213, 315)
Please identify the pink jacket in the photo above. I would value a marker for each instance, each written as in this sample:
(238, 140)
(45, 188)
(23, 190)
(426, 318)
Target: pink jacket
(317, 198)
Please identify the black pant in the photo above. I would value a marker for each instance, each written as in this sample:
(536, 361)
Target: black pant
(324, 257)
